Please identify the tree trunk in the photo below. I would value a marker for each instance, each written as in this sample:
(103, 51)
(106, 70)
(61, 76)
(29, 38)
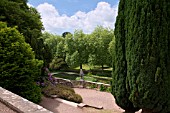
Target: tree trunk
(147, 111)
(102, 68)
(81, 66)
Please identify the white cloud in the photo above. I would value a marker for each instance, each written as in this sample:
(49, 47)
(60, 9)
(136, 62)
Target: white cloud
(30, 5)
(53, 22)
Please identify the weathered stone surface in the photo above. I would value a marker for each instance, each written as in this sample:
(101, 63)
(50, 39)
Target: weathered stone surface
(80, 83)
(5, 109)
(20, 104)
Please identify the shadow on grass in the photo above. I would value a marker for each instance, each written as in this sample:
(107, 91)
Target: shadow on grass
(104, 73)
(67, 75)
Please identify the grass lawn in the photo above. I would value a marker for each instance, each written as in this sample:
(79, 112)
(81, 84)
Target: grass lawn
(93, 78)
(94, 75)
(66, 75)
(96, 67)
(87, 78)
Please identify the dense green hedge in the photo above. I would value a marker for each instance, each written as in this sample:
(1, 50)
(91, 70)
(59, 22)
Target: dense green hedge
(18, 66)
(142, 63)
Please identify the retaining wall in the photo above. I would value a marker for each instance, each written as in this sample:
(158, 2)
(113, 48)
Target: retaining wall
(80, 83)
(19, 104)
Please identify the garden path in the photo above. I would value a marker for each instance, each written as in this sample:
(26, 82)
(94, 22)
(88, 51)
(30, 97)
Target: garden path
(92, 97)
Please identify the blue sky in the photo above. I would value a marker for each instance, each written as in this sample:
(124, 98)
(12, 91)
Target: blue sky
(59, 16)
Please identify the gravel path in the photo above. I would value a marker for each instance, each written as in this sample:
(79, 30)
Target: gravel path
(98, 98)
(91, 97)
(5, 109)
(58, 107)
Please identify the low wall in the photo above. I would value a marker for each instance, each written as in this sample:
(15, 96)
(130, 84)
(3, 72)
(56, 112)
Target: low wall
(19, 104)
(89, 84)
(80, 83)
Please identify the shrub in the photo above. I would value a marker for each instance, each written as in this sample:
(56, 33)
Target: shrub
(103, 88)
(108, 89)
(68, 95)
(18, 66)
(93, 86)
(63, 92)
(58, 63)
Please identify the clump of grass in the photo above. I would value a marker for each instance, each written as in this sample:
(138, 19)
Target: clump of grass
(93, 86)
(63, 92)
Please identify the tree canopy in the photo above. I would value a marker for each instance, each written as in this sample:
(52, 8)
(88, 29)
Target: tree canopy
(19, 68)
(28, 22)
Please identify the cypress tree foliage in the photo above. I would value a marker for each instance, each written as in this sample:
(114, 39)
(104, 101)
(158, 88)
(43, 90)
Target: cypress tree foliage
(119, 89)
(144, 34)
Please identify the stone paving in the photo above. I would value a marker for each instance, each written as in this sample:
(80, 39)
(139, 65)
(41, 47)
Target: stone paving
(5, 109)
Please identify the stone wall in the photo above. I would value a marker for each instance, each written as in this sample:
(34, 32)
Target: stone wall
(80, 83)
(19, 104)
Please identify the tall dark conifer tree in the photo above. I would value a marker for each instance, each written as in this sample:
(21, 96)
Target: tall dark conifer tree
(142, 64)
(119, 89)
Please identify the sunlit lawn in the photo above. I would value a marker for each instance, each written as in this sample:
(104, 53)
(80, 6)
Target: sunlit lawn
(95, 75)
(96, 67)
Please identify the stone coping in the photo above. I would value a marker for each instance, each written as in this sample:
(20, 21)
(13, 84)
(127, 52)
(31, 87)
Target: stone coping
(19, 104)
(67, 80)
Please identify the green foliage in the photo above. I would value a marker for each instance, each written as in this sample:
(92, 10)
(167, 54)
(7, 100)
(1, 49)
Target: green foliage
(109, 89)
(89, 74)
(19, 68)
(52, 41)
(58, 63)
(28, 22)
(61, 51)
(76, 49)
(87, 78)
(119, 89)
(103, 88)
(91, 49)
(111, 50)
(73, 59)
(99, 44)
(142, 60)
(93, 86)
(62, 92)
(67, 76)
